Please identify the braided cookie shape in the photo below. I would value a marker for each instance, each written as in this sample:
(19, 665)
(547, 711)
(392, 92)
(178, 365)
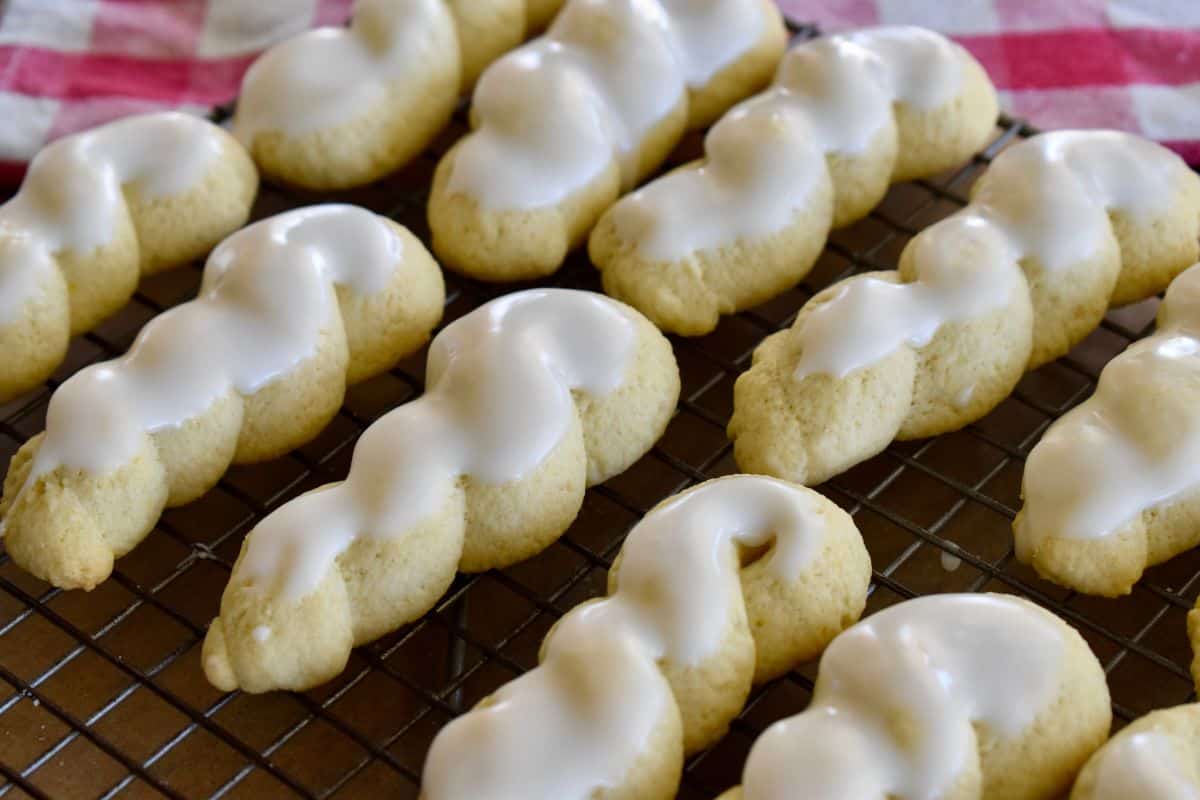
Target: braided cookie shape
(727, 584)
(96, 211)
(1156, 757)
(1059, 228)
(290, 310)
(336, 107)
(530, 399)
(1113, 487)
(847, 116)
(953, 697)
(568, 122)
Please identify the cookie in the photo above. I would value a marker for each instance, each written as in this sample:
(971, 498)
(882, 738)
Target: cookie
(290, 310)
(530, 399)
(1059, 228)
(1156, 757)
(335, 108)
(728, 584)
(954, 696)
(568, 122)
(96, 211)
(1113, 487)
(846, 116)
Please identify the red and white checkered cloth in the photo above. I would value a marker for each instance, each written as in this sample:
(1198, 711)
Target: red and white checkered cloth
(1133, 65)
(70, 64)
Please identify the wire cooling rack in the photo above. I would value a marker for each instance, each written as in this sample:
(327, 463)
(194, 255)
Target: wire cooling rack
(102, 694)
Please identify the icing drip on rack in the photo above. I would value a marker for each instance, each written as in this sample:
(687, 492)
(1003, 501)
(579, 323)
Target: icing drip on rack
(942, 662)
(272, 283)
(553, 115)
(1046, 198)
(72, 196)
(498, 401)
(1131, 446)
(332, 75)
(764, 158)
(582, 717)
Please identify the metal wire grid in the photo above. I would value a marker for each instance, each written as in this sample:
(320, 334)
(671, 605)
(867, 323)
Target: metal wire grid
(101, 694)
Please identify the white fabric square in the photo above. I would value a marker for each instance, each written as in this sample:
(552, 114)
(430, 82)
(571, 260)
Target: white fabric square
(947, 16)
(1154, 13)
(1168, 112)
(54, 24)
(237, 27)
(24, 124)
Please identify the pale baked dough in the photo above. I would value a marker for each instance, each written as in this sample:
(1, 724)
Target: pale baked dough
(1059, 228)
(292, 309)
(958, 697)
(731, 583)
(97, 211)
(529, 399)
(846, 116)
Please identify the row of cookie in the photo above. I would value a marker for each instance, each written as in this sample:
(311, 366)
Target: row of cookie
(338, 107)
(737, 580)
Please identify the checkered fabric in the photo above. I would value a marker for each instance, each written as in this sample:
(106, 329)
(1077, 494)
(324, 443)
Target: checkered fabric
(66, 65)
(1133, 65)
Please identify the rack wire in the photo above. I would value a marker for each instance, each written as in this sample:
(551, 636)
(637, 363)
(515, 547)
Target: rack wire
(102, 694)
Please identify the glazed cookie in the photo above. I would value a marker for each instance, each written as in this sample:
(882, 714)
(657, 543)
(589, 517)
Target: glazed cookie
(339, 107)
(847, 116)
(1156, 758)
(728, 584)
(1061, 226)
(98, 210)
(953, 696)
(290, 310)
(530, 399)
(1113, 487)
(566, 123)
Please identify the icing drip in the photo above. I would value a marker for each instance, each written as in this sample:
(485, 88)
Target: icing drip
(925, 670)
(1131, 446)
(1145, 765)
(764, 158)
(271, 284)
(552, 115)
(331, 75)
(579, 720)
(498, 401)
(1047, 198)
(72, 196)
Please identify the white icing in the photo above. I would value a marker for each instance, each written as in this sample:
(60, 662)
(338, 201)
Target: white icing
(764, 158)
(950, 562)
(261, 633)
(552, 115)
(896, 696)
(498, 401)
(332, 75)
(71, 198)
(1046, 198)
(577, 722)
(1145, 765)
(267, 292)
(1131, 446)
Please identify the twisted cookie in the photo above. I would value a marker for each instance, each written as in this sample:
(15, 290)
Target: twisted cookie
(1061, 226)
(570, 120)
(340, 107)
(1113, 487)
(530, 399)
(1155, 758)
(955, 697)
(291, 309)
(729, 583)
(98, 210)
(847, 116)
